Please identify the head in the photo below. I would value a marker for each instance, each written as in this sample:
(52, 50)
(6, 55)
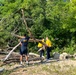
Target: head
(43, 39)
(46, 38)
(24, 35)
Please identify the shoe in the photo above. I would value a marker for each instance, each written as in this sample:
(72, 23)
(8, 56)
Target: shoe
(27, 62)
(50, 58)
(46, 60)
(21, 62)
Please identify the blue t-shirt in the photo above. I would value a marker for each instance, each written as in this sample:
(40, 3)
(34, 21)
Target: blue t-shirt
(24, 41)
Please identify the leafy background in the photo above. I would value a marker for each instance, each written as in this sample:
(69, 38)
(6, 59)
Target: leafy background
(53, 18)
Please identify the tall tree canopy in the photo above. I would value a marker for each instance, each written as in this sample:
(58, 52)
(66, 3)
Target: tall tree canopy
(53, 18)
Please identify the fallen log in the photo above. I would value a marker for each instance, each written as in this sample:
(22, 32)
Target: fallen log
(30, 40)
(27, 28)
(4, 53)
(15, 57)
(11, 52)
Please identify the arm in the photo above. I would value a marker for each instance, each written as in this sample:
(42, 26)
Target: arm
(30, 40)
(20, 43)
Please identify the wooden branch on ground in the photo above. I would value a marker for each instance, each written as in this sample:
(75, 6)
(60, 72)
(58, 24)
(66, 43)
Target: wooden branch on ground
(11, 52)
(15, 57)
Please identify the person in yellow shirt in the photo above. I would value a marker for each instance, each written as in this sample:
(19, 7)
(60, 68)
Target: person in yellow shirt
(48, 47)
(41, 48)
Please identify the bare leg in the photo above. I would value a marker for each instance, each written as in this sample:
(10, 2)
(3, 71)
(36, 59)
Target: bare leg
(26, 57)
(21, 57)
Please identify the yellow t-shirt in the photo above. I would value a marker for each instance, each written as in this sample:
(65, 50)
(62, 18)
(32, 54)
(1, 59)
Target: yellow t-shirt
(48, 43)
(40, 44)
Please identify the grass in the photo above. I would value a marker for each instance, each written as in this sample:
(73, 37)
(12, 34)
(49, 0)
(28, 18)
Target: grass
(54, 68)
(45, 70)
(6, 72)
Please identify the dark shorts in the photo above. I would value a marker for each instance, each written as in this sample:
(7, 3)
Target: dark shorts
(41, 52)
(23, 51)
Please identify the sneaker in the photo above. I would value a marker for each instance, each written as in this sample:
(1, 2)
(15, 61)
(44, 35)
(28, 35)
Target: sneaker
(27, 62)
(21, 62)
(46, 59)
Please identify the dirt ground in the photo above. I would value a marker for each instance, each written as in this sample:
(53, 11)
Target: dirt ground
(50, 67)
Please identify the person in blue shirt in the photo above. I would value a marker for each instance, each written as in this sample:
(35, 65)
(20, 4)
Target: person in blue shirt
(23, 50)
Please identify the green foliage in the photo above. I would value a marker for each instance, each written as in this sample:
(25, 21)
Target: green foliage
(71, 49)
(5, 72)
(52, 18)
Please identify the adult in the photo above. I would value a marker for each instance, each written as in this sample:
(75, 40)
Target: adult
(23, 49)
(48, 47)
(41, 48)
